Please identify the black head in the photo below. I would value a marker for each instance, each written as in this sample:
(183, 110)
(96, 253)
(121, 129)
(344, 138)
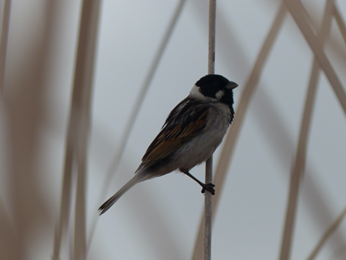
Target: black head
(217, 87)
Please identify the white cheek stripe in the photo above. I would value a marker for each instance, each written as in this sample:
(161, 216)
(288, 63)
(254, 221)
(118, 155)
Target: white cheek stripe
(220, 94)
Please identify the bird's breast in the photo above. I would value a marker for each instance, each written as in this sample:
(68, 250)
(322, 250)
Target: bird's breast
(202, 146)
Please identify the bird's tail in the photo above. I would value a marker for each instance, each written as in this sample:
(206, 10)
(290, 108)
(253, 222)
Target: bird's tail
(109, 203)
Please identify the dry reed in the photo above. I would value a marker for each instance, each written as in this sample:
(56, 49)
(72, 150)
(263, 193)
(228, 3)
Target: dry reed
(299, 164)
(327, 234)
(135, 110)
(233, 132)
(4, 40)
(78, 133)
(23, 160)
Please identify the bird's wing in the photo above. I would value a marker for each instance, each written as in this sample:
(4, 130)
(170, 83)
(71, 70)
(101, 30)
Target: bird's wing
(185, 121)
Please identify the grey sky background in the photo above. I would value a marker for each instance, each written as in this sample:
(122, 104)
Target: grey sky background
(159, 219)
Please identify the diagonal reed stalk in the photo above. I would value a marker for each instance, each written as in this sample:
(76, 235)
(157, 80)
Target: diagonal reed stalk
(232, 136)
(78, 132)
(317, 203)
(209, 163)
(327, 235)
(4, 40)
(296, 9)
(135, 110)
(299, 164)
(340, 22)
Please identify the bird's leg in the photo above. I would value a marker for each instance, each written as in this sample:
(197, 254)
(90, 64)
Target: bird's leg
(206, 186)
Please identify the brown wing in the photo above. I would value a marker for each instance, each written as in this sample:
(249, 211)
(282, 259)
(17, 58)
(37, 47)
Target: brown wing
(185, 121)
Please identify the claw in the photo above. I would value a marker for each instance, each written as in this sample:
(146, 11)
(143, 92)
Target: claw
(209, 187)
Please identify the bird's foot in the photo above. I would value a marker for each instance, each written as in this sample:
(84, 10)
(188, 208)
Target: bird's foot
(209, 187)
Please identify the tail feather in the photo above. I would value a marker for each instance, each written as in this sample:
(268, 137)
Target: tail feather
(109, 203)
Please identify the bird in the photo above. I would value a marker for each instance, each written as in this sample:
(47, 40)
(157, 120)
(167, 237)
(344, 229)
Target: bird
(189, 136)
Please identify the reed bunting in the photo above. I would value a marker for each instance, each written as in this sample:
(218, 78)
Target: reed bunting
(190, 135)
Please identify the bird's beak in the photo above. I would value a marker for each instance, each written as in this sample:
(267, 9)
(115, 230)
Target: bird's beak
(232, 85)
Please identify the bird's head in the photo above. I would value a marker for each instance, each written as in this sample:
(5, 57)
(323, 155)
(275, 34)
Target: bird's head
(215, 87)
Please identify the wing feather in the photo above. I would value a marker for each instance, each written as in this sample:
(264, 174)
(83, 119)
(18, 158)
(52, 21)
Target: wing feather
(185, 121)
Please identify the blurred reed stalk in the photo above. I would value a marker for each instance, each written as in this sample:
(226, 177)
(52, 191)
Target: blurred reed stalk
(298, 168)
(209, 163)
(340, 22)
(297, 11)
(78, 132)
(232, 135)
(329, 232)
(4, 39)
(23, 110)
(135, 110)
(271, 123)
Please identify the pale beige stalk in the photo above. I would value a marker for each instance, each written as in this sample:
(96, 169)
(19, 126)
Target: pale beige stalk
(298, 167)
(230, 140)
(78, 132)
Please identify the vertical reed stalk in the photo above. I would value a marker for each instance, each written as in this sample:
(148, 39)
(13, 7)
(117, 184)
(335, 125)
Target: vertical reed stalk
(209, 163)
(83, 84)
(78, 132)
(230, 140)
(135, 110)
(4, 40)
